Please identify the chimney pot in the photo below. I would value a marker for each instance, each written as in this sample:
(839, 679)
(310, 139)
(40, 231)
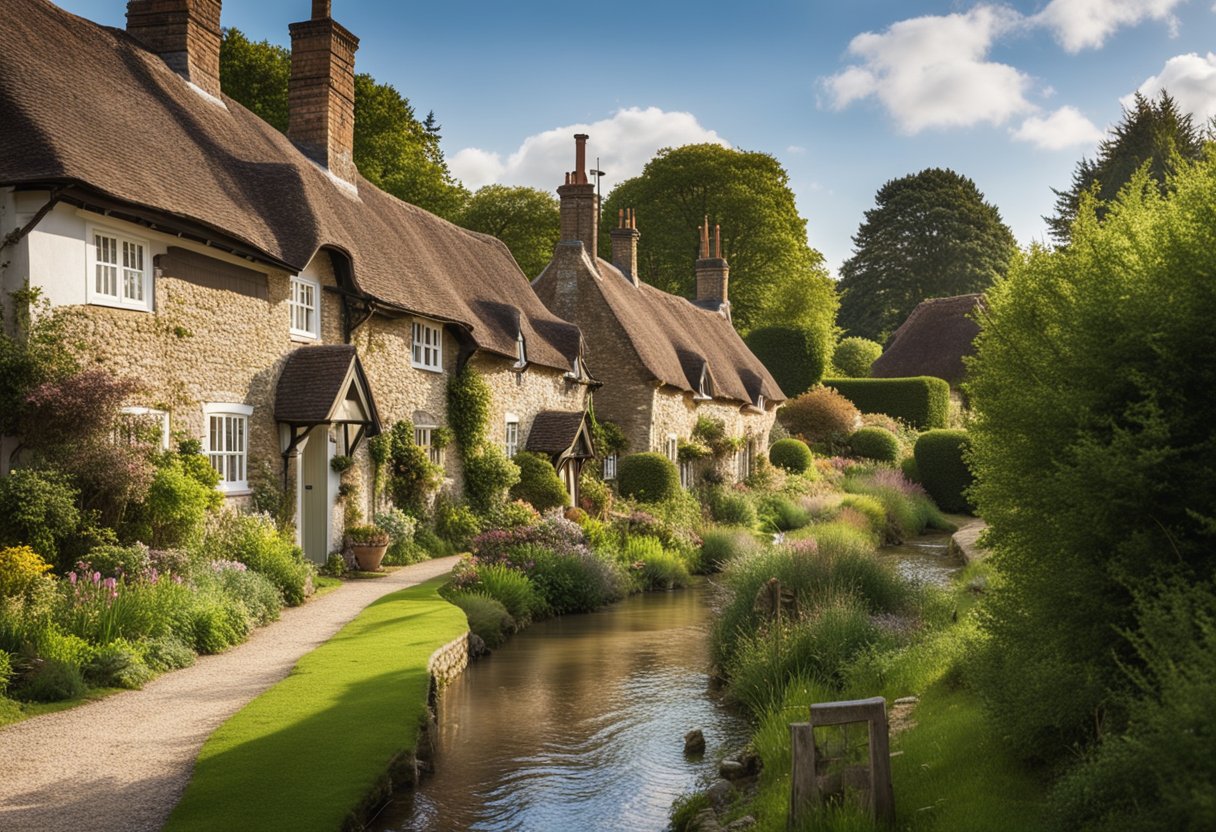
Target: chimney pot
(321, 9)
(625, 246)
(184, 33)
(713, 273)
(580, 213)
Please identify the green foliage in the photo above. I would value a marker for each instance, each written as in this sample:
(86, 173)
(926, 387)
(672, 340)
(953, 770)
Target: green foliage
(431, 543)
(921, 401)
(167, 653)
(37, 508)
(51, 680)
(908, 510)
(721, 546)
(875, 443)
(6, 671)
(411, 474)
(512, 589)
(38, 353)
(488, 618)
(1093, 452)
(594, 495)
(255, 542)
(119, 664)
(778, 512)
(853, 357)
(1153, 134)
(400, 528)
(819, 415)
(871, 509)
(776, 278)
(488, 477)
(367, 535)
(182, 492)
(255, 73)
(660, 568)
(20, 568)
(456, 523)
(112, 561)
(731, 508)
(930, 235)
(538, 482)
(796, 357)
(911, 471)
(648, 477)
(468, 408)
(941, 466)
(791, 455)
(525, 219)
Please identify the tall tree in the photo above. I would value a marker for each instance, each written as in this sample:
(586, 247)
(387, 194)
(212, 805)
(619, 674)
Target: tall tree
(776, 277)
(393, 150)
(1152, 132)
(526, 219)
(930, 234)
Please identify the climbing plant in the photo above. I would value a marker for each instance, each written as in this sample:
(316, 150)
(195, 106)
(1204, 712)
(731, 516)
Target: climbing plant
(488, 473)
(411, 474)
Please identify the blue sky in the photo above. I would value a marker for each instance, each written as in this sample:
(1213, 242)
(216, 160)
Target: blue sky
(846, 95)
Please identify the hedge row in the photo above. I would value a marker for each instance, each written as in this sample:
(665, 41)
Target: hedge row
(922, 401)
(942, 468)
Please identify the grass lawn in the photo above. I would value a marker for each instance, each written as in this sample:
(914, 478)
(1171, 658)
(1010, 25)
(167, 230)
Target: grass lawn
(12, 711)
(305, 753)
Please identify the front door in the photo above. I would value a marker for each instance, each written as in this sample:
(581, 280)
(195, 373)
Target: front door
(315, 500)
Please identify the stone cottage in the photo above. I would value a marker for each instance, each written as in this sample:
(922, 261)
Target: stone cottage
(933, 341)
(273, 303)
(665, 361)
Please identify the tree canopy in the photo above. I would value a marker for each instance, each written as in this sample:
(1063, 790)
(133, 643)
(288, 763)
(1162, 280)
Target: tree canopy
(930, 234)
(526, 219)
(1152, 132)
(776, 277)
(393, 149)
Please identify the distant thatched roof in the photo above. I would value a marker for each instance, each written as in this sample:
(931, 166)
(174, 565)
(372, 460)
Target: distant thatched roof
(932, 341)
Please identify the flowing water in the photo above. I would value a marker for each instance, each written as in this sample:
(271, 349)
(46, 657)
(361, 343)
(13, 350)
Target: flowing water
(577, 723)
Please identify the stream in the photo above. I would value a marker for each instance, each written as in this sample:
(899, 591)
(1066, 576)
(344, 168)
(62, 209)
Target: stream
(577, 723)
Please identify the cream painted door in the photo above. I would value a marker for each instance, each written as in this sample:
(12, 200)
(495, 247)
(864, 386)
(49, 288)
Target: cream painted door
(315, 500)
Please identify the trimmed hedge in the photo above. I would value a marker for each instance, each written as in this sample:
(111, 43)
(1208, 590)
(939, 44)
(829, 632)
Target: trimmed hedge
(538, 483)
(944, 474)
(922, 401)
(796, 357)
(649, 477)
(875, 443)
(793, 455)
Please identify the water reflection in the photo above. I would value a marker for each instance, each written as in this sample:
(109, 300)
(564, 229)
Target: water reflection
(577, 724)
(924, 559)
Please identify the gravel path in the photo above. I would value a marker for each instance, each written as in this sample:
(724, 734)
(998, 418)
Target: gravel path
(123, 762)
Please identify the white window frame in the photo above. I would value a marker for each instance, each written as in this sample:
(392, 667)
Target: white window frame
(300, 286)
(424, 436)
(426, 346)
(152, 413)
(701, 395)
(686, 473)
(235, 425)
(672, 449)
(610, 467)
(142, 276)
(511, 435)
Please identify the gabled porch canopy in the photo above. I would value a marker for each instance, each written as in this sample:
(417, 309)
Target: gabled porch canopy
(562, 434)
(325, 385)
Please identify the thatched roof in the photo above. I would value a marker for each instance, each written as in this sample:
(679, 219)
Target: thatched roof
(932, 341)
(88, 107)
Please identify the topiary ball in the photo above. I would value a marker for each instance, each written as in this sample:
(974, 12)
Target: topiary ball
(793, 455)
(943, 471)
(875, 443)
(649, 477)
(538, 483)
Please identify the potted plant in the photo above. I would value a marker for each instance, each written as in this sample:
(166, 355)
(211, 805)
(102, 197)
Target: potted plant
(368, 544)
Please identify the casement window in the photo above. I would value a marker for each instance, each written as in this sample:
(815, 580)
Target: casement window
(673, 447)
(119, 270)
(226, 444)
(427, 347)
(305, 307)
(137, 424)
(743, 462)
(610, 467)
(424, 437)
(512, 435)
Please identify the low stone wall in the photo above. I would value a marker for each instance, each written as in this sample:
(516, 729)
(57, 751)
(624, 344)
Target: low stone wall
(450, 660)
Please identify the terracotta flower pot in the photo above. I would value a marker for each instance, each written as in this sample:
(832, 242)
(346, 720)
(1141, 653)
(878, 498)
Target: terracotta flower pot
(368, 556)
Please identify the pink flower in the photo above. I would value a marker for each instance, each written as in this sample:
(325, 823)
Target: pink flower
(72, 578)
(96, 578)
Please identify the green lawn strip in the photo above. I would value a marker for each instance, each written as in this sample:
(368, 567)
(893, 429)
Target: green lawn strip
(308, 751)
(13, 711)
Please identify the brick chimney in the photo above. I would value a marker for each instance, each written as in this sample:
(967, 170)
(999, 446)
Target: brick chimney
(186, 35)
(321, 92)
(713, 273)
(625, 244)
(579, 204)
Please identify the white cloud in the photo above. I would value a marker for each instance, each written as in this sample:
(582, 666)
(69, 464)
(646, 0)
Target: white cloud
(1086, 24)
(624, 143)
(932, 71)
(1064, 128)
(795, 149)
(1190, 79)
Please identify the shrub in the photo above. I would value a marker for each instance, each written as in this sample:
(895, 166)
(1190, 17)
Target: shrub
(791, 455)
(921, 401)
(400, 528)
(38, 509)
(796, 357)
(256, 542)
(217, 623)
(870, 508)
(854, 356)
(433, 544)
(820, 415)
(118, 664)
(574, 581)
(648, 477)
(909, 511)
(456, 523)
(780, 513)
(488, 475)
(252, 590)
(50, 680)
(180, 495)
(487, 617)
(167, 653)
(594, 495)
(512, 515)
(130, 562)
(6, 671)
(910, 469)
(20, 569)
(941, 466)
(730, 508)
(875, 443)
(411, 474)
(721, 546)
(660, 569)
(512, 589)
(538, 482)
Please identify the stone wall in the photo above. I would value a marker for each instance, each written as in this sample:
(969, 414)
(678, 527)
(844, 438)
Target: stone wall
(450, 660)
(524, 394)
(676, 412)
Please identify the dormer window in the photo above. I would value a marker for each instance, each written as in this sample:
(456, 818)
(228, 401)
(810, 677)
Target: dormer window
(305, 307)
(427, 347)
(760, 402)
(521, 352)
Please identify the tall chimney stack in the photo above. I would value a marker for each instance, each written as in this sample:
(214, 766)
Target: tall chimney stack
(579, 203)
(713, 273)
(625, 244)
(321, 91)
(186, 35)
